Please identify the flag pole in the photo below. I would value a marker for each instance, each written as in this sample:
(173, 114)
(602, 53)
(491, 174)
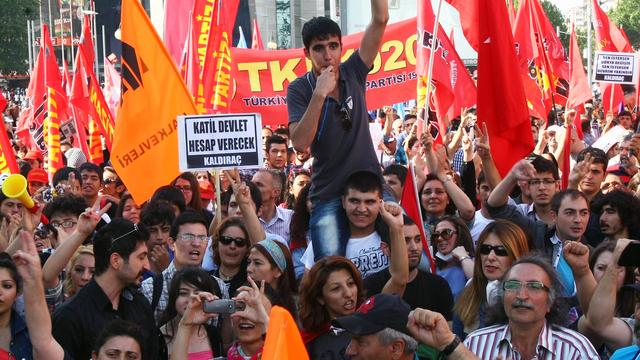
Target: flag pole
(29, 41)
(73, 55)
(434, 41)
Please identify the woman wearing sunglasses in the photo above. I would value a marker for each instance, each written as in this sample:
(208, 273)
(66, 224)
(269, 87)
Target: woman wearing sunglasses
(499, 245)
(230, 251)
(453, 248)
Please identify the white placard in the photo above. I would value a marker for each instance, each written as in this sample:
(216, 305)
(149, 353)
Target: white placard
(220, 141)
(615, 67)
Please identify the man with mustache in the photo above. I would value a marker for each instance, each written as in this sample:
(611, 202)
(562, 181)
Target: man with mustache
(618, 215)
(529, 315)
(121, 258)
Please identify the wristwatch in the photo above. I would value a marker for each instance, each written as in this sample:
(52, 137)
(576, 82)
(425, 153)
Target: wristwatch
(451, 347)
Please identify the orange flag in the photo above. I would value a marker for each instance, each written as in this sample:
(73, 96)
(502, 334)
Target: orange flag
(283, 340)
(145, 153)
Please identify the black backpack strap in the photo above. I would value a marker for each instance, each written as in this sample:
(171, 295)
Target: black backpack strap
(215, 340)
(158, 284)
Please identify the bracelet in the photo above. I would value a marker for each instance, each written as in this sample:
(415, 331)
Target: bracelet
(448, 350)
(464, 258)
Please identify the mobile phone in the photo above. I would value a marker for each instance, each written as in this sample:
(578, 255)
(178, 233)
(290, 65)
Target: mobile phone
(630, 255)
(222, 306)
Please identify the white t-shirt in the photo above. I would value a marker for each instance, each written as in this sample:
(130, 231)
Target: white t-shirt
(365, 253)
(479, 223)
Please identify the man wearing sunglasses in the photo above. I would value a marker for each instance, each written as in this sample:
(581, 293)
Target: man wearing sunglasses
(188, 240)
(531, 318)
(328, 113)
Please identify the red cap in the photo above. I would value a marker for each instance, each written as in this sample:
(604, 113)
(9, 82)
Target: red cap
(33, 155)
(206, 190)
(39, 175)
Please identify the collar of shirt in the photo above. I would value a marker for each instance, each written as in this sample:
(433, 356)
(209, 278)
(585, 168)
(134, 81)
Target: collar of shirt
(279, 215)
(101, 299)
(545, 340)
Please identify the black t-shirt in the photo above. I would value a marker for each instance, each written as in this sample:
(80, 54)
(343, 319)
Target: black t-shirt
(426, 291)
(329, 346)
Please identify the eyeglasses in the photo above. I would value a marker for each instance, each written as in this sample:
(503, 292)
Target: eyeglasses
(499, 250)
(346, 118)
(185, 188)
(109, 181)
(537, 182)
(446, 234)
(532, 286)
(227, 240)
(191, 237)
(67, 224)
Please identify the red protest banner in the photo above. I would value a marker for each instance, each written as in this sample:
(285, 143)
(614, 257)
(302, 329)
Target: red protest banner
(261, 77)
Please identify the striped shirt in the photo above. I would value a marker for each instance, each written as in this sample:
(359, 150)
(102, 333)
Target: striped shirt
(554, 342)
(280, 224)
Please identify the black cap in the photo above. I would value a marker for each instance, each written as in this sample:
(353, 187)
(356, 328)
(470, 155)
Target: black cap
(375, 314)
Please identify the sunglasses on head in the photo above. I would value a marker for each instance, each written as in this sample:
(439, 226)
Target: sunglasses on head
(227, 240)
(346, 118)
(499, 250)
(446, 234)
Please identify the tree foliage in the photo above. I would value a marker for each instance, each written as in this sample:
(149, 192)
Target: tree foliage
(14, 47)
(627, 14)
(557, 20)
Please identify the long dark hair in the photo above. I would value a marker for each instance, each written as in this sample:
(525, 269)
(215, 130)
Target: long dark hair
(286, 285)
(195, 203)
(195, 277)
(300, 220)
(463, 238)
(290, 200)
(625, 298)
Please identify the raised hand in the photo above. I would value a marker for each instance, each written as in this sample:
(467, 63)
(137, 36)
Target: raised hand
(89, 219)
(523, 170)
(194, 315)
(326, 82)
(430, 328)
(580, 170)
(483, 147)
(254, 309)
(392, 215)
(27, 260)
(577, 256)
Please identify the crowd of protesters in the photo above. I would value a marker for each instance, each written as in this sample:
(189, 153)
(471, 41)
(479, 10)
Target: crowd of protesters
(512, 267)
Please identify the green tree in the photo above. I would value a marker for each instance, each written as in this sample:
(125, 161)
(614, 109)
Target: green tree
(14, 47)
(627, 15)
(557, 20)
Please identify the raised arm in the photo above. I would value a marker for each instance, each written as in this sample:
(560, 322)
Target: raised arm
(399, 261)
(483, 150)
(249, 213)
(373, 34)
(577, 256)
(36, 311)
(87, 222)
(601, 323)
(522, 170)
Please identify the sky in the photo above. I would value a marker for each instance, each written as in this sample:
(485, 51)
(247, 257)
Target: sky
(565, 5)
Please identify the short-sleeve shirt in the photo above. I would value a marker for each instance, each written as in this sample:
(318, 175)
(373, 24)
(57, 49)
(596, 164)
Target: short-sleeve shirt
(365, 253)
(337, 152)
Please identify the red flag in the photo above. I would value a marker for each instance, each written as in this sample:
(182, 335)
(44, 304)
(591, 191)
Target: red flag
(411, 205)
(579, 89)
(454, 87)
(3, 102)
(256, 38)
(56, 104)
(112, 87)
(86, 43)
(176, 23)
(469, 13)
(216, 71)
(501, 100)
(190, 65)
(608, 36)
(527, 55)
(8, 163)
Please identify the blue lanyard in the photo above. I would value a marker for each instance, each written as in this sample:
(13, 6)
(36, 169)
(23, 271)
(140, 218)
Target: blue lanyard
(324, 118)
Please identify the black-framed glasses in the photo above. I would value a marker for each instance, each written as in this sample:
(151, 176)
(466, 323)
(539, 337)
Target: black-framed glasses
(227, 240)
(67, 224)
(499, 250)
(446, 234)
(346, 118)
(532, 286)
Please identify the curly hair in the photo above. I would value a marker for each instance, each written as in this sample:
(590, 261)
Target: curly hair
(313, 315)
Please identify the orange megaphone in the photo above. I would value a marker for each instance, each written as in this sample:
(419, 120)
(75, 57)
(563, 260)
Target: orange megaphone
(15, 187)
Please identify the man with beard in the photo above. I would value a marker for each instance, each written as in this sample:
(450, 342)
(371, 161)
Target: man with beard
(121, 259)
(618, 215)
(415, 295)
(187, 239)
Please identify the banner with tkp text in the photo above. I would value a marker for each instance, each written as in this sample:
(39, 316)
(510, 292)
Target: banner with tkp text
(262, 77)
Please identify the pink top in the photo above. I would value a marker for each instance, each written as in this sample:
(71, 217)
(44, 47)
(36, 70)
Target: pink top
(201, 355)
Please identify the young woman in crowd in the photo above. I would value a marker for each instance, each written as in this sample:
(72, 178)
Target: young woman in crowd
(270, 261)
(299, 229)
(188, 184)
(128, 209)
(453, 252)
(230, 251)
(298, 179)
(332, 288)
(439, 199)
(599, 260)
(499, 245)
(79, 270)
(14, 336)
(206, 342)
